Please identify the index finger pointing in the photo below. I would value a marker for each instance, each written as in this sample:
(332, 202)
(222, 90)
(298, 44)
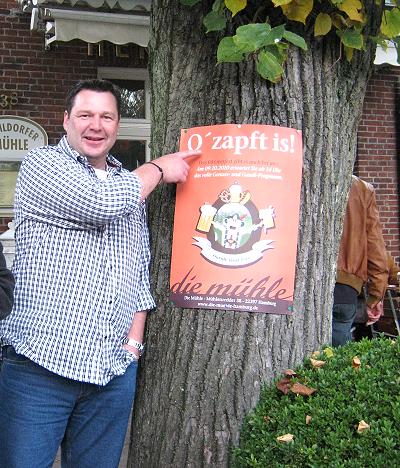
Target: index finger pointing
(190, 154)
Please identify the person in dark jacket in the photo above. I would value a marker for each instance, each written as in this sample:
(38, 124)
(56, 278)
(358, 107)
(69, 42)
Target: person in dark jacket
(6, 287)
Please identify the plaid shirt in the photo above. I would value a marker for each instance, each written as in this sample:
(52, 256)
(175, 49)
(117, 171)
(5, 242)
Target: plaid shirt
(81, 264)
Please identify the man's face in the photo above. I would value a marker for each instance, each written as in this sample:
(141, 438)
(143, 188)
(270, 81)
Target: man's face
(92, 125)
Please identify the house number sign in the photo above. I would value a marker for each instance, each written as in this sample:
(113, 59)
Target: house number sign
(8, 100)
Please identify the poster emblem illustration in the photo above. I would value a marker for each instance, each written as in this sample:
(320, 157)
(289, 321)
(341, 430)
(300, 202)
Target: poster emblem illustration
(234, 226)
(236, 219)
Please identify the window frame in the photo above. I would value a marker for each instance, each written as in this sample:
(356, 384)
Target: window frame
(132, 129)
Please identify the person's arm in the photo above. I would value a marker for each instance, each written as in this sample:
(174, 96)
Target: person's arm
(54, 188)
(136, 332)
(377, 256)
(6, 287)
(58, 190)
(171, 168)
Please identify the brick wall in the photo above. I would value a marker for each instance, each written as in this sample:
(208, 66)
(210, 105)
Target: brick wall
(377, 160)
(42, 77)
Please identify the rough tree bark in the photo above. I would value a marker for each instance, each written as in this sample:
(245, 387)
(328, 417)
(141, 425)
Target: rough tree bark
(203, 369)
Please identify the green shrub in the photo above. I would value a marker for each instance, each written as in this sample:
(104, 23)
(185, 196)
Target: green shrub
(344, 396)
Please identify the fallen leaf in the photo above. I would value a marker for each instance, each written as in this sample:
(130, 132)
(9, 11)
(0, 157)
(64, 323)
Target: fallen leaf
(284, 385)
(317, 364)
(362, 426)
(328, 352)
(266, 419)
(356, 363)
(300, 389)
(308, 419)
(285, 438)
(315, 354)
(290, 373)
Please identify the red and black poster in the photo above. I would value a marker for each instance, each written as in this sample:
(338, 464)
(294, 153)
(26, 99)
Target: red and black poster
(236, 219)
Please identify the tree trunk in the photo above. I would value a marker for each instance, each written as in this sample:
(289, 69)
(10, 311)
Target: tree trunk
(203, 369)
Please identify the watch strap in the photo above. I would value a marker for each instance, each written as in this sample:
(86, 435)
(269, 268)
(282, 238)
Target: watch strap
(135, 344)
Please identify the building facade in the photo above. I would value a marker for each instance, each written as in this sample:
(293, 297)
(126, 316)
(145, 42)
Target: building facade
(42, 55)
(378, 148)
(47, 45)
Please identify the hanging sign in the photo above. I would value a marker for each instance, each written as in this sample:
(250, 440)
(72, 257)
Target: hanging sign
(18, 136)
(236, 219)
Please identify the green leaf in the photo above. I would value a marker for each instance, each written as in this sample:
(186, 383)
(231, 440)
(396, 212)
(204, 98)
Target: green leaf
(390, 25)
(349, 53)
(214, 21)
(379, 40)
(235, 5)
(298, 10)
(189, 2)
(279, 50)
(265, 37)
(323, 24)
(396, 43)
(353, 9)
(228, 51)
(275, 35)
(269, 67)
(218, 5)
(281, 2)
(351, 38)
(338, 21)
(295, 39)
(251, 37)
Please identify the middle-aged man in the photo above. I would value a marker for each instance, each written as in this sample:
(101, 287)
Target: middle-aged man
(362, 260)
(6, 287)
(72, 342)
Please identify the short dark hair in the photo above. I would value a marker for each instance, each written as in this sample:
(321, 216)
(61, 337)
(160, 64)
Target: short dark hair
(100, 86)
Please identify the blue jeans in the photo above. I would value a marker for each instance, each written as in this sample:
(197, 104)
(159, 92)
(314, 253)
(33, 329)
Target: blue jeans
(39, 411)
(343, 316)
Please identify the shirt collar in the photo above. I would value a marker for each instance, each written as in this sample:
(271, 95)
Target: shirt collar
(67, 148)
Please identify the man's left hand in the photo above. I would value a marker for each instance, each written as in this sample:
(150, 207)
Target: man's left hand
(133, 351)
(374, 313)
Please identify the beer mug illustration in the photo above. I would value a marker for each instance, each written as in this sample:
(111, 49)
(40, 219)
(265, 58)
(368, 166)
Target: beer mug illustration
(267, 216)
(235, 194)
(207, 213)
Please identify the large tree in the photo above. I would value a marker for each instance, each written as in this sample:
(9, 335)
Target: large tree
(203, 369)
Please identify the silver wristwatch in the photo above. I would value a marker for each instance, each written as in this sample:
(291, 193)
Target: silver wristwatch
(135, 344)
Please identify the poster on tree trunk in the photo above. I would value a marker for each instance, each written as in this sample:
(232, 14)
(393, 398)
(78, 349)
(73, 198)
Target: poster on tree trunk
(237, 219)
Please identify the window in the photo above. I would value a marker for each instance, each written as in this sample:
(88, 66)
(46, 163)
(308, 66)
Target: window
(132, 145)
(8, 179)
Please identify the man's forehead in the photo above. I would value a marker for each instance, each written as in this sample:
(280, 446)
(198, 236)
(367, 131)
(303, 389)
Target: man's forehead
(95, 98)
